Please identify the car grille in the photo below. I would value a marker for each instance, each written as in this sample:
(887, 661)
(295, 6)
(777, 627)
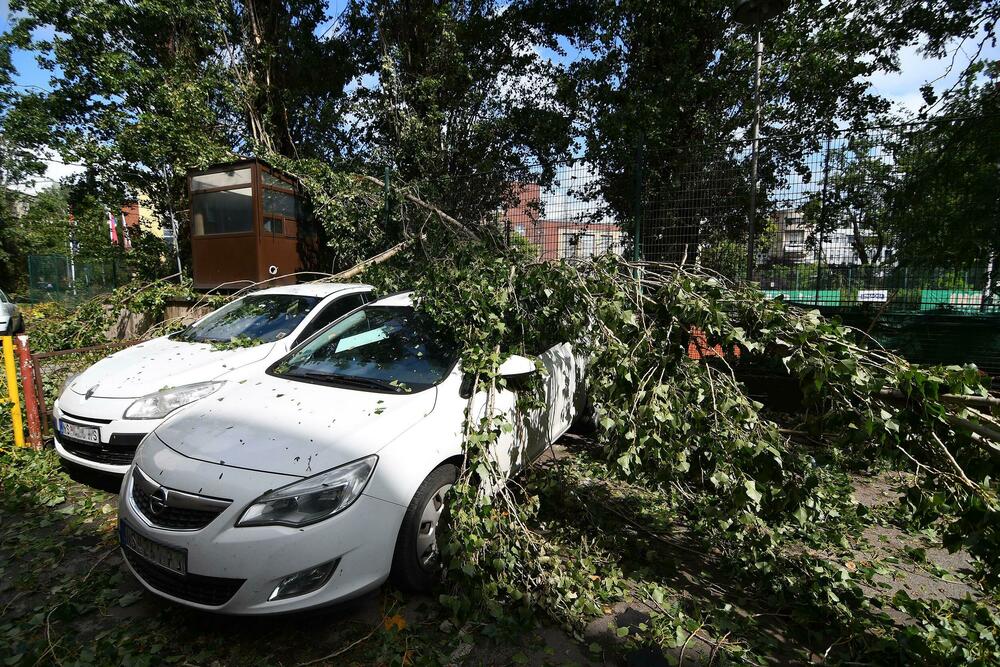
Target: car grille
(178, 518)
(91, 420)
(119, 451)
(212, 591)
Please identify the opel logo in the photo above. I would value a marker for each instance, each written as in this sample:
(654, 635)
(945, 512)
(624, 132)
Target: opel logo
(158, 502)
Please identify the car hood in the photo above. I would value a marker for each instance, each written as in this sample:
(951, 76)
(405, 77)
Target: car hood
(159, 363)
(285, 426)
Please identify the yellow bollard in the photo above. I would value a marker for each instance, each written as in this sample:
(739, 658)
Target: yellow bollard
(15, 409)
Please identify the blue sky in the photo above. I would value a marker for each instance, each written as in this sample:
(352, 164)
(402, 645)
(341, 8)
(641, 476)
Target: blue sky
(902, 87)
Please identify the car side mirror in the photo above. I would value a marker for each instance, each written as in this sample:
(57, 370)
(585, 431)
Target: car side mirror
(517, 366)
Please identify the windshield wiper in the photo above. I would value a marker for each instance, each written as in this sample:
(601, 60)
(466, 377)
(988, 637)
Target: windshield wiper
(333, 378)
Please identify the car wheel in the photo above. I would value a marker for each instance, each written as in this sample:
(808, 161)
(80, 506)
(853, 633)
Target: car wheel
(416, 562)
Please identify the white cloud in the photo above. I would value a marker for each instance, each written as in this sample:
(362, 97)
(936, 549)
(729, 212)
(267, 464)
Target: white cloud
(55, 171)
(903, 87)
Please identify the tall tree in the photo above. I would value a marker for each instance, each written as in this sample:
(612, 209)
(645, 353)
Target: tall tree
(455, 98)
(946, 211)
(854, 196)
(141, 91)
(676, 79)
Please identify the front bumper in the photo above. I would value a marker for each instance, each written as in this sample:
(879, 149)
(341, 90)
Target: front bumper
(119, 437)
(256, 559)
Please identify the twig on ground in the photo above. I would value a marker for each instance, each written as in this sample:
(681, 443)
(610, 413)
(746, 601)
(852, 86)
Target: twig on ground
(343, 650)
(48, 636)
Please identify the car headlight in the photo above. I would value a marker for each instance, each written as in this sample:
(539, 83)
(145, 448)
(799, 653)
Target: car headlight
(67, 382)
(162, 403)
(312, 499)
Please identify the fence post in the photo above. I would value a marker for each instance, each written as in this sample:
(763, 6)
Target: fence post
(822, 219)
(15, 408)
(43, 408)
(637, 200)
(28, 386)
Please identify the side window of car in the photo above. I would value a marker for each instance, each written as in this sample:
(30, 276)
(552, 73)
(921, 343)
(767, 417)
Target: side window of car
(332, 312)
(3, 297)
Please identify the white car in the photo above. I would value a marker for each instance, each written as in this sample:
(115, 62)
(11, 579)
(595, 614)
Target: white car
(103, 414)
(317, 480)
(11, 321)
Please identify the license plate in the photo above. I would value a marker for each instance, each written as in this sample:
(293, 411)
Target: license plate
(154, 552)
(78, 432)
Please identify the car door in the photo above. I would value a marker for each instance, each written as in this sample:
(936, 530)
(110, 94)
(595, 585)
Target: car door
(533, 429)
(562, 390)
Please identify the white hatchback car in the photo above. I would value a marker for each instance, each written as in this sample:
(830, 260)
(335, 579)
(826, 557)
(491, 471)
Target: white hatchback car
(317, 480)
(102, 414)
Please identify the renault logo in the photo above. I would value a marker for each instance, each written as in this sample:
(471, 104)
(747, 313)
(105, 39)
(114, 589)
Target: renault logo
(158, 502)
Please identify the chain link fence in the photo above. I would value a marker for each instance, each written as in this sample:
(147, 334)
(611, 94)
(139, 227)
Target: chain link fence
(894, 230)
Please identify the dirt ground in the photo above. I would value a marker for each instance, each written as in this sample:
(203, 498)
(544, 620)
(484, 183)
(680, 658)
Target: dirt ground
(63, 585)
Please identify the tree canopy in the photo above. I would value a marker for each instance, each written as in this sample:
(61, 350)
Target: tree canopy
(460, 100)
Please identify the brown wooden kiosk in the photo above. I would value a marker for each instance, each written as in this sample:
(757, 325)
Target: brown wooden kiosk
(245, 219)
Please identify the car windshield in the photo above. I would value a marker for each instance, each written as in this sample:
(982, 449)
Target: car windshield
(264, 318)
(378, 348)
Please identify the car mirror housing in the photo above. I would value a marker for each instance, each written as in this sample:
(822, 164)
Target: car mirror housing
(517, 366)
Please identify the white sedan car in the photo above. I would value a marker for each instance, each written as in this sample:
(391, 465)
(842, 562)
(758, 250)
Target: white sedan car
(317, 480)
(11, 321)
(103, 414)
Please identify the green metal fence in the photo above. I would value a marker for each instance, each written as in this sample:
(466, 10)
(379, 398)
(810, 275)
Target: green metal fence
(62, 279)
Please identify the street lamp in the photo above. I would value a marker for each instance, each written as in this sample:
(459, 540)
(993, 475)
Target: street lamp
(753, 13)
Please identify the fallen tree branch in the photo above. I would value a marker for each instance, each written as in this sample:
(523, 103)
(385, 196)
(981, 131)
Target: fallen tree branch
(444, 217)
(954, 399)
(360, 267)
(976, 427)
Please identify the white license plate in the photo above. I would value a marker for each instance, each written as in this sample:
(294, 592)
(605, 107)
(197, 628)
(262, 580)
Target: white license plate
(78, 432)
(154, 552)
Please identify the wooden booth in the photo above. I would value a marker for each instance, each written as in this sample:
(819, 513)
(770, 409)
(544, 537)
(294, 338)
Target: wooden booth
(245, 219)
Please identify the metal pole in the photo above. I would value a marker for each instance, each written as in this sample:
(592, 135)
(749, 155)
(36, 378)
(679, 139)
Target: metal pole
(752, 226)
(28, 386)
(12, 394)
(173, 221)
(637, 201)
(822, 219)
(72, 252)
(177, 248)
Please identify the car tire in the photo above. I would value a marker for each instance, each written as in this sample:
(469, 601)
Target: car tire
(415, 564)
(585, 422)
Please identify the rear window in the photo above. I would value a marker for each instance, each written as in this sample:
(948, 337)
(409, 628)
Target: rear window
(264, 318)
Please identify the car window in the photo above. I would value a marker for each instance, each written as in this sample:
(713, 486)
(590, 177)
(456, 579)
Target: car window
(332, 313)
(265, 318)
(3, 297)
(376, 348)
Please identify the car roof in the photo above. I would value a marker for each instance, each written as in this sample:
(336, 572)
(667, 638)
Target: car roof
(320, 290)
(403, 299)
